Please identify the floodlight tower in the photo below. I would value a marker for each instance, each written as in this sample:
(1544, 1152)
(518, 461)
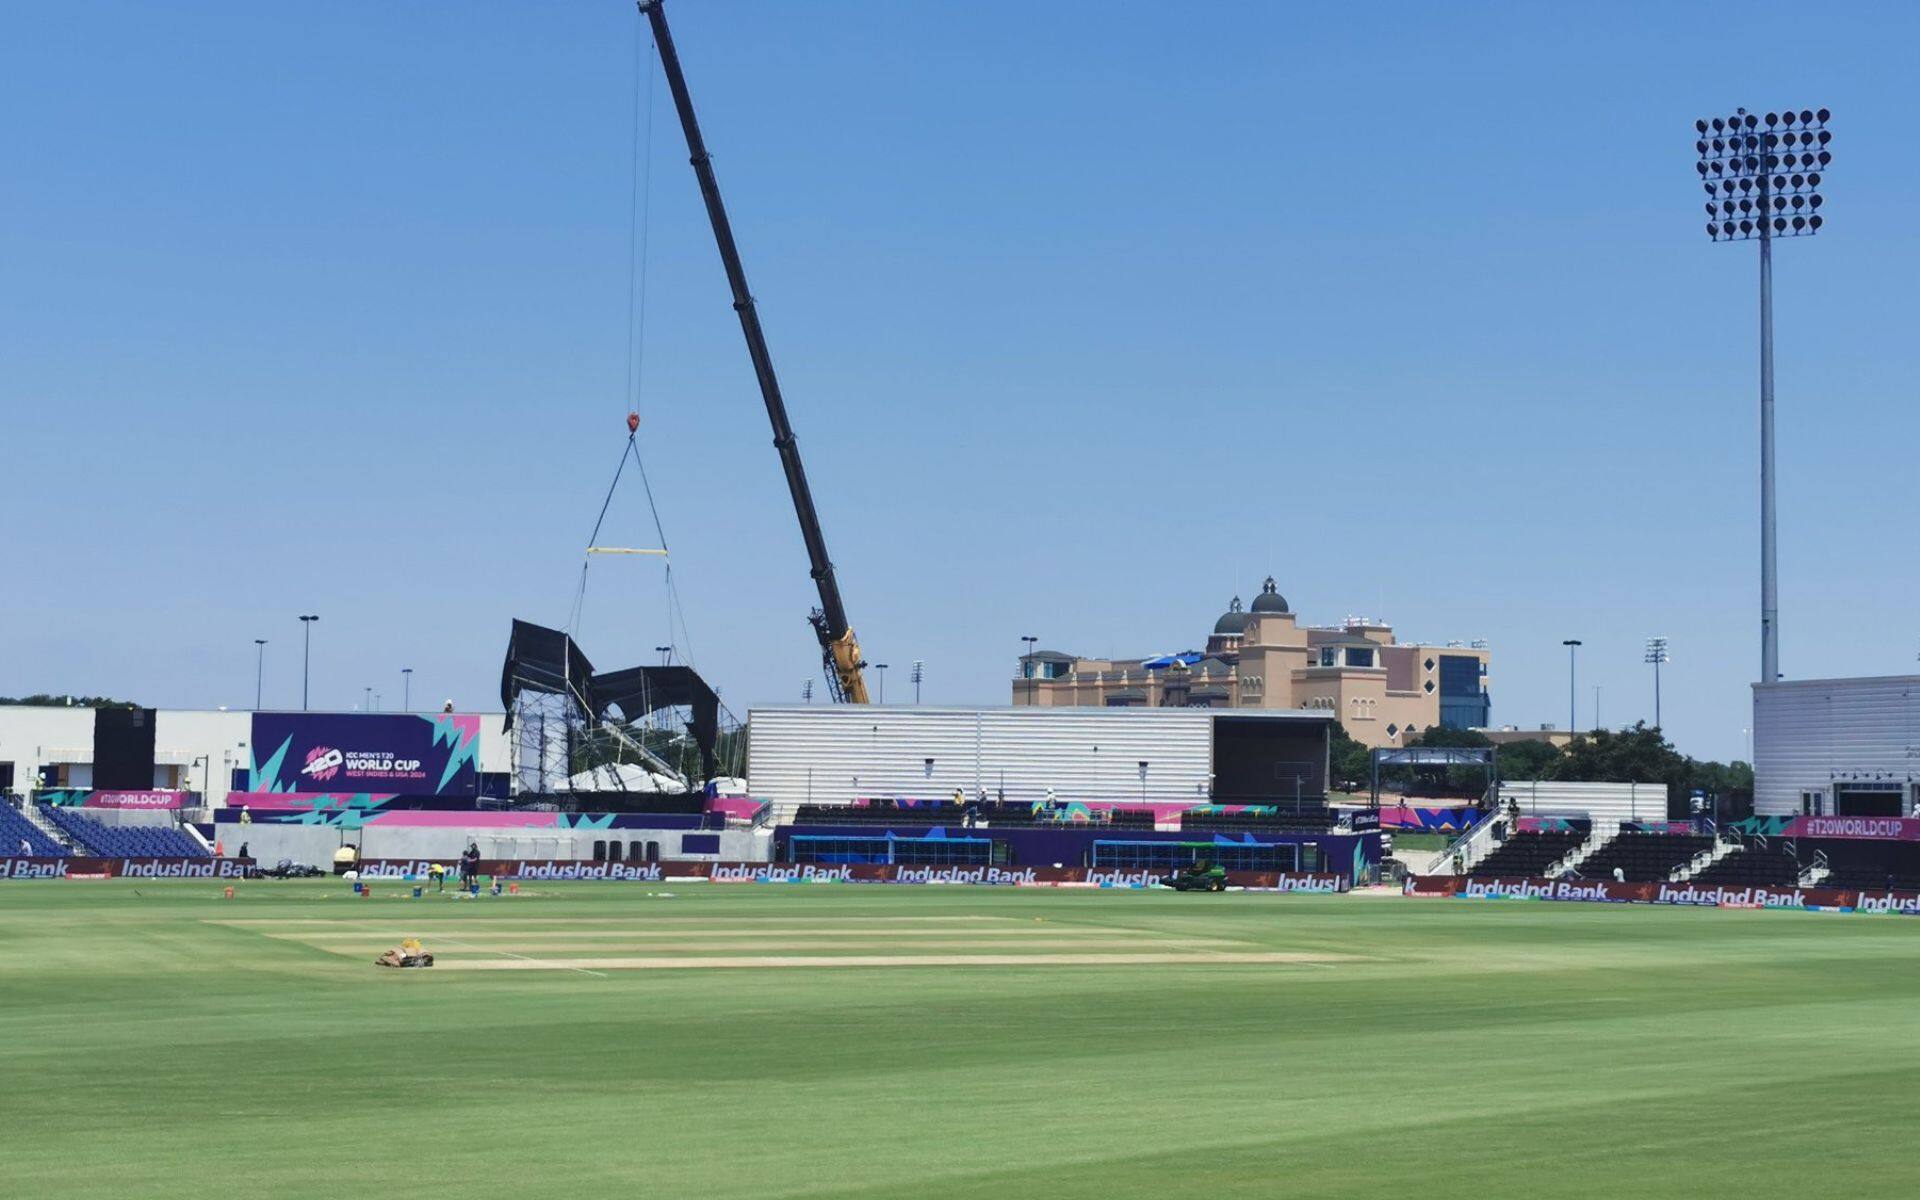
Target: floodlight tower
(1762, 177)
(1656, 654)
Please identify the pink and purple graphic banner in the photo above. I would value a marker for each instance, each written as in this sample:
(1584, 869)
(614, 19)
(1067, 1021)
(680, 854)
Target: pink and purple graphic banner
(433, 754)
(135, 800)
(1882, 829)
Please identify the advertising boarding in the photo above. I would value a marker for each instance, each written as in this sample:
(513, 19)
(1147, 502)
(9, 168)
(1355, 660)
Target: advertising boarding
(418, 753)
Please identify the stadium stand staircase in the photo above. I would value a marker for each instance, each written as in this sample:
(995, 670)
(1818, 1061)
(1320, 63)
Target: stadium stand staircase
(1469, 848)
(21, 823)
(1755, 862)
(1603, 832)
(1528, 854)
(1644, 857)
(124, 841)
(1818, 870)
(1706, 858)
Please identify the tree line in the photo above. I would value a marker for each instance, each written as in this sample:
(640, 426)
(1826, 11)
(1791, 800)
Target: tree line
(1640, 754)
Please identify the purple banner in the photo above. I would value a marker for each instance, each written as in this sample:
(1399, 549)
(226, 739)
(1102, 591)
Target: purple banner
(1894, 829)
(421, 753)
(138, 800)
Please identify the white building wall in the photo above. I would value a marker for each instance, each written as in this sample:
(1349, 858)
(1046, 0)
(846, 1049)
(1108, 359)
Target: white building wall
(1600, 801)
(833, 754)
(313, 845)
(1811, 733)
(183, 737)
(31, 737)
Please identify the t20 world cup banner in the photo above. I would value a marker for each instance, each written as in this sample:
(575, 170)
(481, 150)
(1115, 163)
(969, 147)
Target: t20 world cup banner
(418, 753)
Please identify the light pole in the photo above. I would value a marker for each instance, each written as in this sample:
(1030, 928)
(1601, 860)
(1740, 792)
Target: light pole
(881, 670)
(1026, 666)
(806, 690)
(366, 705)
(1573, 716)
(1596, 708)
(306, 653)
(1656, 654)
(1763, 183)
(406, 689)
(259, 668)
(665, 653)
(919, 674)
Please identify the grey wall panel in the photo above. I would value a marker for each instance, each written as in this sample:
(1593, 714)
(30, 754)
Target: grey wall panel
(831, 755)
(1810, 733)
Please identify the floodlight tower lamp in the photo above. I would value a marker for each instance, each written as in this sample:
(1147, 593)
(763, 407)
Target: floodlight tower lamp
(1762, 179)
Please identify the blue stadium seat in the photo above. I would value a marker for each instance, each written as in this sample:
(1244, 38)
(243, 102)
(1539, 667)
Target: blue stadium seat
(14, 827)
(125, 841)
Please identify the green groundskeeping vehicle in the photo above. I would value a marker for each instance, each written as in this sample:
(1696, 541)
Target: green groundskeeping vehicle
(1202, 876)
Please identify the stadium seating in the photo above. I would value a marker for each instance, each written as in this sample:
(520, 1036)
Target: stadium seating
(878, 814)
(1644, 857)
(14, 827)
(1311, 818)
(124, 841)
(1752, 866)
(1867, 864)
(1009, 813)
(1528, 854)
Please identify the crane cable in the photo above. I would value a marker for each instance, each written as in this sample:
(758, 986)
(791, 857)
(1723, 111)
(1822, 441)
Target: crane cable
(639, 229)
(639, 218)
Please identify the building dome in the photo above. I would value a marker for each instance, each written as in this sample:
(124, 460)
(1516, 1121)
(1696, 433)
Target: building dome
(1233, 622)
(1270, 600)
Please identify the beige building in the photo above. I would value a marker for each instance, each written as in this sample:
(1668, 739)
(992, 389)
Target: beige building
(1260, 656)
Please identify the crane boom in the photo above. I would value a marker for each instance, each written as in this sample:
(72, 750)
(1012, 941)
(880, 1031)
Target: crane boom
(840, 650)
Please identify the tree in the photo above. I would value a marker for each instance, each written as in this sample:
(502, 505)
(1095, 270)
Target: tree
(64, 700)
(1348, 762)
(1643, 755)
(1529, 759)
(1455, 782)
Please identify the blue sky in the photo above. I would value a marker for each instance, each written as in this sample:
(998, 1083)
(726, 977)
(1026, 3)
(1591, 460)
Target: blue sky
(1089, 314)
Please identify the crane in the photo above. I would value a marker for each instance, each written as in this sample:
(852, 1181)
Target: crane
(839, 649)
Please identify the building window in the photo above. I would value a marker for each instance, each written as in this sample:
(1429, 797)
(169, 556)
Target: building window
(1359, 657)
(1428, 687)
(1429, 664)
(1329, 657)
(1393, 731)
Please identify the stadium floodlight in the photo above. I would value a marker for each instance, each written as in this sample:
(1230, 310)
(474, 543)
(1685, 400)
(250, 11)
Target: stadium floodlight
(1763, 179)
(306, 653)
(919, 676)
(1573, 712)
(1656, 654)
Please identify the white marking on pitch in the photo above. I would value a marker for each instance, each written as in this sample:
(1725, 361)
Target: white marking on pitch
(889, 960)
(357, 930)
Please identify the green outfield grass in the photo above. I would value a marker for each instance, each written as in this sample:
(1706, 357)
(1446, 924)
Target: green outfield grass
(157, 1040)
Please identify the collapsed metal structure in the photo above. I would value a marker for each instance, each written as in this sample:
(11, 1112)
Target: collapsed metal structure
(572, 729)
